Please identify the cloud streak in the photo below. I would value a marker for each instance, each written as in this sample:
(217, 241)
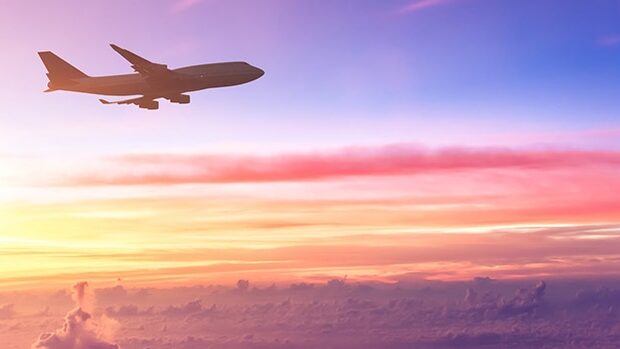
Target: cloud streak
(610, 40)
(419, 5)
(578, 250)
(170, 169)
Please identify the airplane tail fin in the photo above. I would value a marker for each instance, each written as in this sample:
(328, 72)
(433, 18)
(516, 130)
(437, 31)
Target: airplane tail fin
(59, 71)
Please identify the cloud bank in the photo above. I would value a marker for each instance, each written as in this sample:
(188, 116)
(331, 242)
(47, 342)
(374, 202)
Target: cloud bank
(341, 314)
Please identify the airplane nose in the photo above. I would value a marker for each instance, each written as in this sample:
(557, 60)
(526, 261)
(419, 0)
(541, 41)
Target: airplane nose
(259, 72)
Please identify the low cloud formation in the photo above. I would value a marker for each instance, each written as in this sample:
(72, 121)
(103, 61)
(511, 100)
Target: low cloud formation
(525, 301)
(127, 310)
(81, 298)
(80, 330)
(601, 298)
(343, 314)
(191, 307)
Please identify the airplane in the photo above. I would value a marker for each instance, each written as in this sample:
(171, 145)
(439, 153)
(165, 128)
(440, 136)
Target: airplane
(150, 80)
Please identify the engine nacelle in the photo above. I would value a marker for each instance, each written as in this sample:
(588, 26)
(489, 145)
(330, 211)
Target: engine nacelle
(150, 105)
(181, 99)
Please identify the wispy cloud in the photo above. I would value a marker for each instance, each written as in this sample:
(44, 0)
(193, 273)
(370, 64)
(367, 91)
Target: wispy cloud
(563, 251)
(419, 5)
(184, 5)
(610, 40)
(162, 169)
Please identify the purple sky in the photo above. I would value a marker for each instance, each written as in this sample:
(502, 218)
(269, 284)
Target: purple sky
(338, 73)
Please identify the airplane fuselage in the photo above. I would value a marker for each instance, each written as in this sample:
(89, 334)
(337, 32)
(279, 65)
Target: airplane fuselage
(150, 81)
(186, 79)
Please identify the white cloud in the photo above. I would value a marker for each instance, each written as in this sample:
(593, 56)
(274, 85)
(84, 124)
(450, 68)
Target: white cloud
(80, 330)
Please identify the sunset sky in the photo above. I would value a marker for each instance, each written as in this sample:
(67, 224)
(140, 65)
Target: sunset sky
(388, 140)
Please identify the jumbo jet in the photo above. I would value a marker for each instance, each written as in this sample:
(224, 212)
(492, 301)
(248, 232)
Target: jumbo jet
(150, 80)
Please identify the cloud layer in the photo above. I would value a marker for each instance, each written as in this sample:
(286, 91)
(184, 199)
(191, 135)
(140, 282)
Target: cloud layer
(339, 314)
(369, 212)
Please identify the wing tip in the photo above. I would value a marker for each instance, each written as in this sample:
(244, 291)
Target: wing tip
(116, 47)
(103, 101)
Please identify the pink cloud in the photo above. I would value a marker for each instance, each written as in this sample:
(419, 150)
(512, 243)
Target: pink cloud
(422, 4)
(168, 169)
(184, 5)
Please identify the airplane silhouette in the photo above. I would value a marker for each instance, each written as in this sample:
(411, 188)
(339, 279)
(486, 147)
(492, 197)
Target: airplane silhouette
(151, 80)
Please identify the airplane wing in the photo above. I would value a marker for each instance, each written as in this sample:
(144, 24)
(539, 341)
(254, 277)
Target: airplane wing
(144, 102)
(144, 66)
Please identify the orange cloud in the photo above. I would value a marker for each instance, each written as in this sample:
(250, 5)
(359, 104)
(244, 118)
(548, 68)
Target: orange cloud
(384, 212)
(562, 251)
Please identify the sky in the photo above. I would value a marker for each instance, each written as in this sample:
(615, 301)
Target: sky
(387, 141)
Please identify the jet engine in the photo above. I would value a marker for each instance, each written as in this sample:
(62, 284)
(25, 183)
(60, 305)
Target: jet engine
(181, 99)
(150, 105)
